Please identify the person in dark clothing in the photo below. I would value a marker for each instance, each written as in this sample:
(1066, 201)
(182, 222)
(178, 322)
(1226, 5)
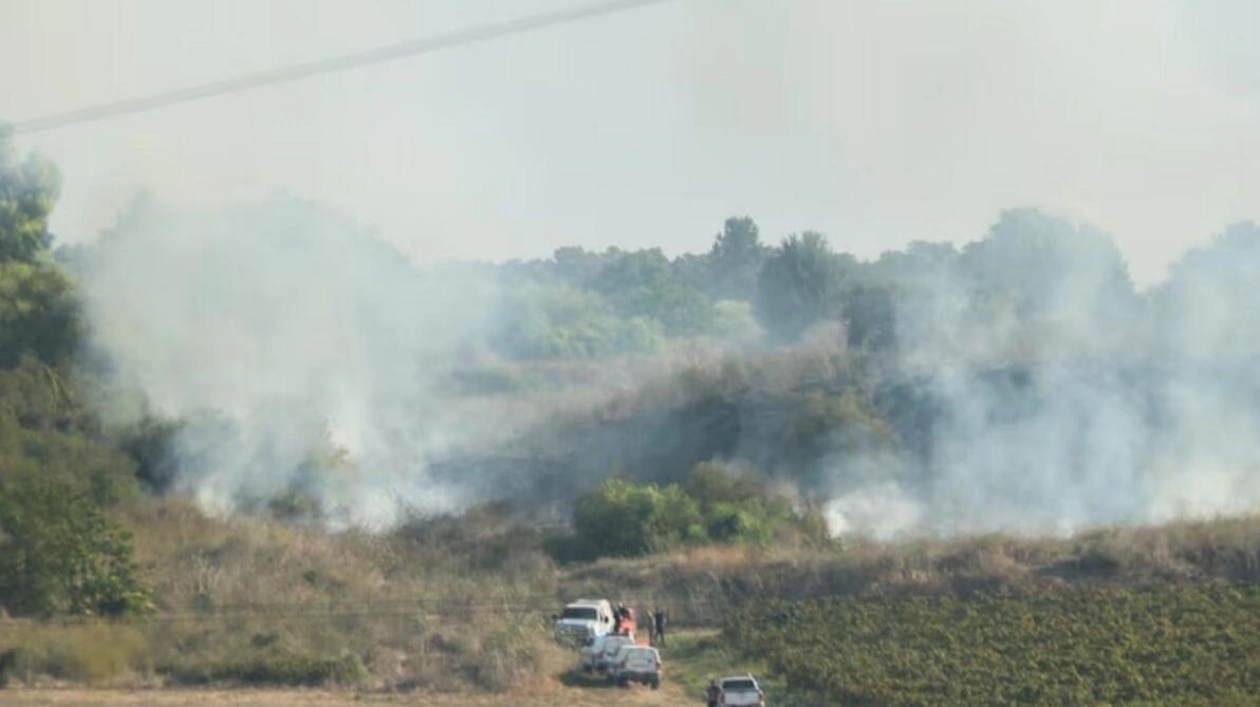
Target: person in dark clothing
(658, 626)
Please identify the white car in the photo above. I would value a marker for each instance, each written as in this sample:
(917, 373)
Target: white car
(634, 663)
(594, 656)
(736, 691)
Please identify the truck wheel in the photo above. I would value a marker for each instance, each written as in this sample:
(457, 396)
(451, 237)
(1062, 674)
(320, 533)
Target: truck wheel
(656, 684)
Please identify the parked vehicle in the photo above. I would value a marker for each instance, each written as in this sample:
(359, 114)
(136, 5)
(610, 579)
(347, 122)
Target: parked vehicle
(595, 656)
(635, 663)
(583, 620)
(736, 691)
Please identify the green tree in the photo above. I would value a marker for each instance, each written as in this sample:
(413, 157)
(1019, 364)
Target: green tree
(38, 311)
(735, 259)
(643, 284)
(711, 483)
(576, 265)
(60, 554)
(622, 518)
(559, 321)
(798, 286)
(870, 317)
(28, 190)
(1049, 267)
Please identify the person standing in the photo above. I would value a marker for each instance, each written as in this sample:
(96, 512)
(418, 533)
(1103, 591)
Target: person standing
(658, 626)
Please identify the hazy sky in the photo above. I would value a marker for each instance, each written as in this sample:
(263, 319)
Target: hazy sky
(876, 122)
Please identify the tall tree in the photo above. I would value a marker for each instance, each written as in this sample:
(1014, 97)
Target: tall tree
(28, 190)
(735, 259)
(38, 310)
(1049, 267)
(798, 286)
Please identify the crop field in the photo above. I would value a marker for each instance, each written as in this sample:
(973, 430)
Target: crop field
(1156, 647)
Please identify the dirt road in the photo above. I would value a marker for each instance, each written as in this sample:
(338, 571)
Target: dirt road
(551, 697)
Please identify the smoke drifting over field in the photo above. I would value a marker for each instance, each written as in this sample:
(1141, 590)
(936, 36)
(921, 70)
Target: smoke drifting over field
(1071, 401)
(1031, 388)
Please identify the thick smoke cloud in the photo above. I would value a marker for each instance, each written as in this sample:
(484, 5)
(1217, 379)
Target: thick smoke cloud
(1064, 399)
(302, 354)
(1046, 394)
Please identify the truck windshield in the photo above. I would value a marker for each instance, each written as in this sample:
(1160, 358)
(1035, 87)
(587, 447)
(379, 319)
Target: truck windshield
(585, 613)
(739, 686)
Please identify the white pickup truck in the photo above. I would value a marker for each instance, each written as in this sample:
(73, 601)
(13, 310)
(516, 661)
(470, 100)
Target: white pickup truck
(736, 691)
(583, 620)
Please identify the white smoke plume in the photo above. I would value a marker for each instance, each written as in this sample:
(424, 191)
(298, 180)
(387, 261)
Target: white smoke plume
(1064, 399)
(1049, 395)
(281, 334)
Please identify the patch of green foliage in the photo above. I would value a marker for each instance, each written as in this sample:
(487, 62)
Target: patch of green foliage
(279, 667)
(1167, 645)
(621, 518)
(563, 322)
(59, 554)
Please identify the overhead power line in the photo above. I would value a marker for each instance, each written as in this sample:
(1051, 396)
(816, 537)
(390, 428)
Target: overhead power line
(480, 33)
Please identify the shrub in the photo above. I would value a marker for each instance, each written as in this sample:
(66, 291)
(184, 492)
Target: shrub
(621, 518)
(60, 554)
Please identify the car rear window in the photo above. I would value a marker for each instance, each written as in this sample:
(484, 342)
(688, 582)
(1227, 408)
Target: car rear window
(580, 612)
(739, 685)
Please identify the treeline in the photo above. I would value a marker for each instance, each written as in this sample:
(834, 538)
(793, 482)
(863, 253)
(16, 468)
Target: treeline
(1029, 267)
(588, 304)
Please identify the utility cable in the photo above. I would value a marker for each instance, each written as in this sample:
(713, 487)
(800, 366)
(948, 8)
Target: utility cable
(480, 33)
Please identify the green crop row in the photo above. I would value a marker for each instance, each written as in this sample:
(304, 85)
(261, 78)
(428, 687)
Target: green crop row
(1170, 645)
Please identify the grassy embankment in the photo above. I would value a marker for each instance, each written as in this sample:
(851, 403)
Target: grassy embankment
(458, 606)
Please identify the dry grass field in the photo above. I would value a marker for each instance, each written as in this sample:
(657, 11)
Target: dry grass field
(556, 696)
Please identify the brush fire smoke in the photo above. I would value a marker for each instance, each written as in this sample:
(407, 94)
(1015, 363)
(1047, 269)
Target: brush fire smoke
(1072, 400)
(303, 355)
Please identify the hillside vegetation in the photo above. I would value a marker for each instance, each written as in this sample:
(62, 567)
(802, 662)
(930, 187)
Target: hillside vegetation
(261, 447)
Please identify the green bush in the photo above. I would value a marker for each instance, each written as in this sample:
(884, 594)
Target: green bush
(622, 518)
(59, 553)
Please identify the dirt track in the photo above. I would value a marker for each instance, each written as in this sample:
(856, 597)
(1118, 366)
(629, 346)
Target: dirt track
(559, 696)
